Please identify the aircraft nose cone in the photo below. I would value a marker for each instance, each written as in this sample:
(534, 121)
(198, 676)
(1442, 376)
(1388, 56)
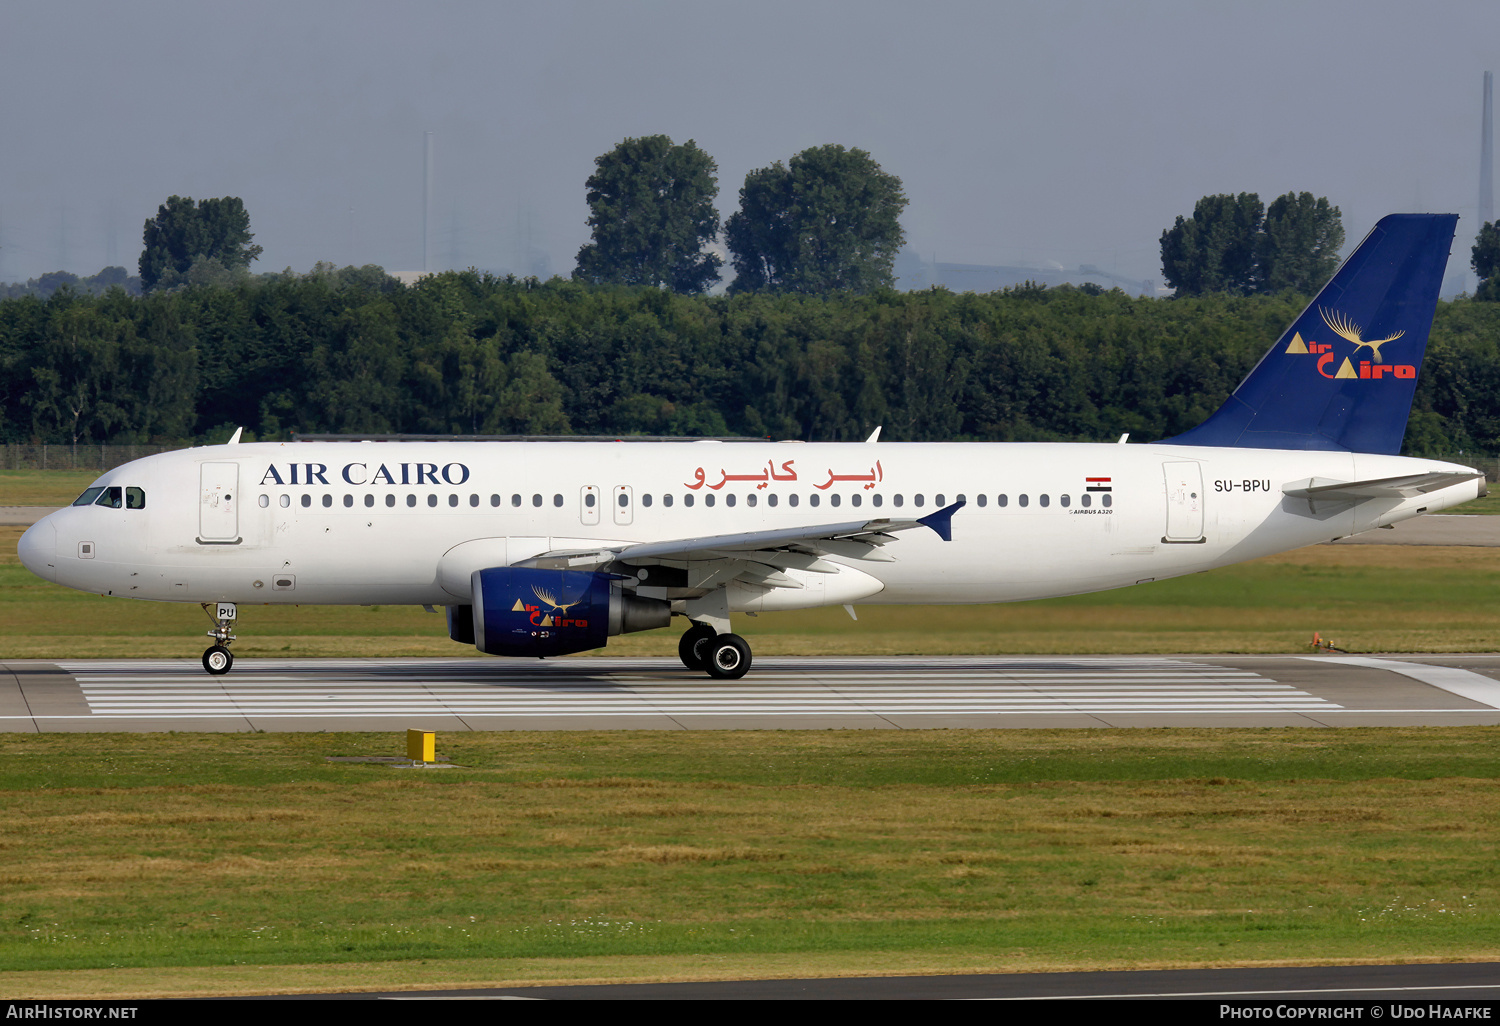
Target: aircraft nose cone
(38, 549)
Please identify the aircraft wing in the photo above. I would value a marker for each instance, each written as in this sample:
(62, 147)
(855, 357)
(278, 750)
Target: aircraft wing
(757, 557)
(1325, 490)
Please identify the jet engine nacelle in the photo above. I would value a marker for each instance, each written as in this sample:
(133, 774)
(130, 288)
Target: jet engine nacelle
(519, 611)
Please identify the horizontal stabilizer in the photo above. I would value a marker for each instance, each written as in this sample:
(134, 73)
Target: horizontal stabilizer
(1408, 486)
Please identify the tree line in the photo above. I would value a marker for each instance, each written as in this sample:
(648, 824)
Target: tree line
(826, 220)
(352, 350)
(1237, 245)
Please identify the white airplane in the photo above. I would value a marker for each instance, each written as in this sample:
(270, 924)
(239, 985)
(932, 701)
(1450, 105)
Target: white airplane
(547, 548)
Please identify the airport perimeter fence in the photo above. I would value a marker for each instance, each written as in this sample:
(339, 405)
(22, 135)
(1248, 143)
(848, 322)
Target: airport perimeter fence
(19, 456)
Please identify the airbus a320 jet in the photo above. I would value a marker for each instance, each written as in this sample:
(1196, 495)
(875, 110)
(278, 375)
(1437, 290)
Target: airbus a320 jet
(548, 548)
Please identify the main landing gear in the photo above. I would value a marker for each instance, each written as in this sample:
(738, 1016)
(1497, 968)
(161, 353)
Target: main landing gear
(722, 656)
(218, 659)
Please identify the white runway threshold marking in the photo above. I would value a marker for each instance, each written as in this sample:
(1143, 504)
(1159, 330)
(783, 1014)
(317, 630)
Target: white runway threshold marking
(910, 687)
(1476, 687)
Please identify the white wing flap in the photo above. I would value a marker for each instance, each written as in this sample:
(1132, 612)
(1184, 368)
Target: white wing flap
(756, 558)
(859, 539)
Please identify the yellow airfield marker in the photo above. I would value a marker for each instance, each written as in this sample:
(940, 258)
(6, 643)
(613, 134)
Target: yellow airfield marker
(421, 746)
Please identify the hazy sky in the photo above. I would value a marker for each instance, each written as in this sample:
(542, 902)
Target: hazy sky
(1063, 132)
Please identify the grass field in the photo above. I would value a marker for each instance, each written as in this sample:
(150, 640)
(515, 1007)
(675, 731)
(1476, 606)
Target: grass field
(145, 865)
(43, 487)
(156, 865)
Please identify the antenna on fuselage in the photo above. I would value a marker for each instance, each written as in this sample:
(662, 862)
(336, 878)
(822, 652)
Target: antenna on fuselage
(234, 439)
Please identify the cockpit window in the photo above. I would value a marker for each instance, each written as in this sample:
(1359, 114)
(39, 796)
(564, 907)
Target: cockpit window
(110, 497)
(135, 498)
(88, 497)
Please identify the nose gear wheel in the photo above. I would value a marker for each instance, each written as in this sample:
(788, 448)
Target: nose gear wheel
(217, 659)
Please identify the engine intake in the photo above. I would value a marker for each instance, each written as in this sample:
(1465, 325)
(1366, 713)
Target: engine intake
(520, 611)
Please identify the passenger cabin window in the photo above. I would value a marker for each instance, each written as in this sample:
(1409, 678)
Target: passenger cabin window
(264, 501)
(328, 500)
(306, 501)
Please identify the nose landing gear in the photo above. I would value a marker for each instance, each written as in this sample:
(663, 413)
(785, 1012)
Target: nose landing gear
(217, 660)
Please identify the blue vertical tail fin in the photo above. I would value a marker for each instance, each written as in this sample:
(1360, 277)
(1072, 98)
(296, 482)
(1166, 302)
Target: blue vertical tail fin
(1342, 377)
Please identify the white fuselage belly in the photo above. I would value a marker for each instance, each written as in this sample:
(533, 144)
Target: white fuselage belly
(1163, 518)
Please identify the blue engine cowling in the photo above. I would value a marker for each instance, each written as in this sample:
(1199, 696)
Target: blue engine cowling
(519, 611)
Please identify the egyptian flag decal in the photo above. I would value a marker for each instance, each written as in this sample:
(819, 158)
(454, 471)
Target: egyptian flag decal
(1098, 484)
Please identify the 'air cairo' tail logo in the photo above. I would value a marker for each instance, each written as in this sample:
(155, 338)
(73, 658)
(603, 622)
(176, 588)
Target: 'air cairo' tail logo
(1375, 368)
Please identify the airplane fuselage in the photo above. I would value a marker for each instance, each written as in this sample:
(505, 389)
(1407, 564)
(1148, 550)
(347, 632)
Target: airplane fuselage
(407, 523)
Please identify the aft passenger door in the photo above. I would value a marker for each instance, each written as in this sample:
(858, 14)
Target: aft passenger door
(1184, 502)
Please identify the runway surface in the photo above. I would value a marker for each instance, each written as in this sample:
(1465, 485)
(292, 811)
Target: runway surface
(1407, 986)
(778, 694)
